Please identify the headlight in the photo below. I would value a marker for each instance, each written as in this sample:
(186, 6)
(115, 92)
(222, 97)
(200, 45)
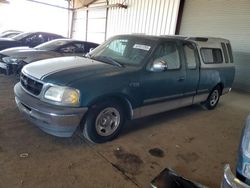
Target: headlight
(63, 95)
(13, 59)
(245, 147)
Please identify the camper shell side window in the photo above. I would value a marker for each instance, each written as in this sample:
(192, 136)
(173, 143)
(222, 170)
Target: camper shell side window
(225, 52)
(230, 52)
(211, 55)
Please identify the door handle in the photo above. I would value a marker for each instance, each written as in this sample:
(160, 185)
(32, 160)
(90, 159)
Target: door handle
(181, 78)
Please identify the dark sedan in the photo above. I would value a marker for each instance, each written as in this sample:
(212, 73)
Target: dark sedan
(13, 59)
(30, 39)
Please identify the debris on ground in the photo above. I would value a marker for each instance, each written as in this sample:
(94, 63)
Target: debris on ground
(189, 139)
(188, 157)
(24, 155)
(156, 152)
(127, 162)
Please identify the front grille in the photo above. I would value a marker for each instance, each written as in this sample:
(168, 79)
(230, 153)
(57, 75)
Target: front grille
(31, 85)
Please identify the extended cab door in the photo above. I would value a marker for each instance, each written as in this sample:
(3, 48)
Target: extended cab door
(164, 90)
(191, 59)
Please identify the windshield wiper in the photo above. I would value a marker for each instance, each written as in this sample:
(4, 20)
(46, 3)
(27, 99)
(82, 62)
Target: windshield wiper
(108, 60)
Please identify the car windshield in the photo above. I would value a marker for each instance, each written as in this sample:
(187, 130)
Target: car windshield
(21, 36)
(52, 45)
(129, 50)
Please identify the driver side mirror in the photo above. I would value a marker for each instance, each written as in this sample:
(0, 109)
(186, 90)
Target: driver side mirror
(159, 66)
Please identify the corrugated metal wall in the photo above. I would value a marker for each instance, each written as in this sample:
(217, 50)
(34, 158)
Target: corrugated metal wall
(157, 17)
(223, 18)
(96, 30)
(79, 24)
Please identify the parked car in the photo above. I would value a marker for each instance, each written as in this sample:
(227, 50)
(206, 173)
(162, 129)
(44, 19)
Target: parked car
(127, 77)
(9, 34)
(13, 59)
(30, 39)
(242, 179)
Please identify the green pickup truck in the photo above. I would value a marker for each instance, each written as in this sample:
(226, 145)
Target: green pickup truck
(127, 77)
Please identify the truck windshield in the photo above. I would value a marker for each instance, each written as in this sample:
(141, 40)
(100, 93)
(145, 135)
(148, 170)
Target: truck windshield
(124, 50)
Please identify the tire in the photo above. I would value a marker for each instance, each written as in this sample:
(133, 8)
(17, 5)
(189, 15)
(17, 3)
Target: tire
(213, 98)
(104, 122)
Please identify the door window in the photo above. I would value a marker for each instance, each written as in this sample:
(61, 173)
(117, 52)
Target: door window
(190, 56)
(80, 48)
(69, 49)
(35, 39)
(168, 53)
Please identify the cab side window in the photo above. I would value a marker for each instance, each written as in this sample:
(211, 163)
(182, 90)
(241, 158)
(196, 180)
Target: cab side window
(168, 53)
(190, 56)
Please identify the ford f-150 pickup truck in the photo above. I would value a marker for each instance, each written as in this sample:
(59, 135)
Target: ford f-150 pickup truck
(127, 77)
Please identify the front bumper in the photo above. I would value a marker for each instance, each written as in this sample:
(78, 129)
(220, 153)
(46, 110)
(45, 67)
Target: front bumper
(230, 181)
(52, 119)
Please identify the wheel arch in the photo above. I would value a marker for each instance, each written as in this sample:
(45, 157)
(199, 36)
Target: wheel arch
(118, 98)
(221, 85)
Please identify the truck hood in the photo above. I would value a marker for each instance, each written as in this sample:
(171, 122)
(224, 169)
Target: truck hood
(65, 70)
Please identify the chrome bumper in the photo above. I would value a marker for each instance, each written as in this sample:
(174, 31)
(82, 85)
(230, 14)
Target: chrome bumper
(230, 181)
(54, 120)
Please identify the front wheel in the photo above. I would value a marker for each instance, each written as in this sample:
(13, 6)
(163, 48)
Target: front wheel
(213, 98)
(103, 122)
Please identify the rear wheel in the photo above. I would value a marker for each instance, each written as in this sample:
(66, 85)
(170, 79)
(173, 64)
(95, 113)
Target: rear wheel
(103, 122)
(213, 98)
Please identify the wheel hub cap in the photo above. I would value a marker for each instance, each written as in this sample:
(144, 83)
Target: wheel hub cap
(214, 97)
(107, 121)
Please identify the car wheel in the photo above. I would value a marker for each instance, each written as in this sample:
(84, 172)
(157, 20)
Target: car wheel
(213, 98)
(103, 122)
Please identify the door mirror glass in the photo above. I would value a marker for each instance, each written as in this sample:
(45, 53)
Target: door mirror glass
(159, 66)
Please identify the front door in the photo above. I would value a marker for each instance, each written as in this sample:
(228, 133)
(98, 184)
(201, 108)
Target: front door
(164, 90)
